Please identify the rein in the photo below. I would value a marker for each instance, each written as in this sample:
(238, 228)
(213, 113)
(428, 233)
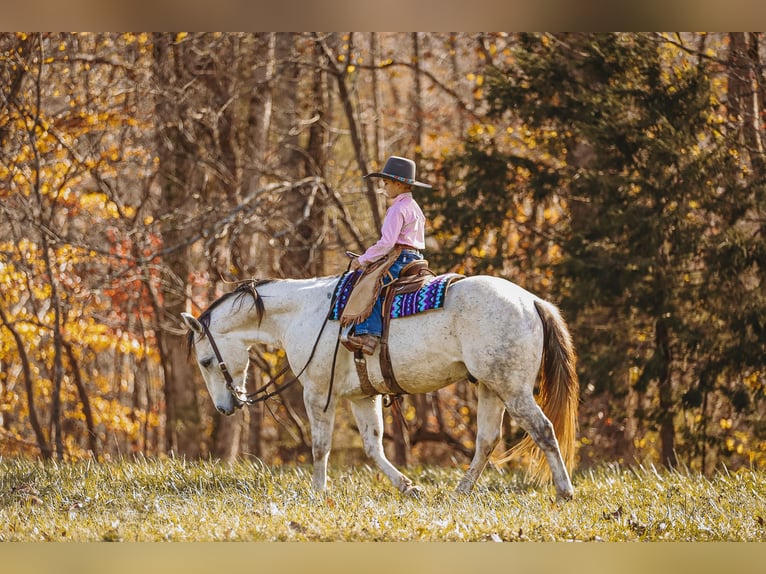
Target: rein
(261, 394)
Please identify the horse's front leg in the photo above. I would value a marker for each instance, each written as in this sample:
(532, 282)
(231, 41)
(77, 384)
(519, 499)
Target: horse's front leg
(322, 423)
(369, 419)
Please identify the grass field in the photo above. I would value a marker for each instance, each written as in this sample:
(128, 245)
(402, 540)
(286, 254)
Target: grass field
(176, 500)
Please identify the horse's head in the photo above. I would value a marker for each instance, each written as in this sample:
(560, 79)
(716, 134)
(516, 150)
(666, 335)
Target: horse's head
(221, 354)
(223, 361)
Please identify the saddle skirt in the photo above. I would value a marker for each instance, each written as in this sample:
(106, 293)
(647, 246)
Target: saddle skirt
(429, 295)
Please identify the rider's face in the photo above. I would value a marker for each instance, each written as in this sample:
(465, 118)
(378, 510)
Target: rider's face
(393, 188)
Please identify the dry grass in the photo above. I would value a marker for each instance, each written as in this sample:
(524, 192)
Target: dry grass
(150, 500)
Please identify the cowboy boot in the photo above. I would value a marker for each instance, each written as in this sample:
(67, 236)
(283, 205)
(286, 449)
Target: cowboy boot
(367, 343)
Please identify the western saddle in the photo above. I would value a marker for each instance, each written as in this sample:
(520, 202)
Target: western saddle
(411, 278)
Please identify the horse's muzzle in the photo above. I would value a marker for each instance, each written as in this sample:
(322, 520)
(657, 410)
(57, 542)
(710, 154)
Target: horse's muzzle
(229, 410)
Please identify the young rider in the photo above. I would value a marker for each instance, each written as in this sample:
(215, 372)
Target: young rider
(403, 227)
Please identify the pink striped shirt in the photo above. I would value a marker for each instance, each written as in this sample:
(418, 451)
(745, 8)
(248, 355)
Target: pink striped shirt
(404, 223)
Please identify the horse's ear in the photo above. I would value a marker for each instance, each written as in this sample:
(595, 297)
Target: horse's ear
(192, 323)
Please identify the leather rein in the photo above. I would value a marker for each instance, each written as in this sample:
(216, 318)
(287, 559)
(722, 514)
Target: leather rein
(262, 394)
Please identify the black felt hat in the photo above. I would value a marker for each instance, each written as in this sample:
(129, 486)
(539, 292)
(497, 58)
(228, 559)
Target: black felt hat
(399, 169)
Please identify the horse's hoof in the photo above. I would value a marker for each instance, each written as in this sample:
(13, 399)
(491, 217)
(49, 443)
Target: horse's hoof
(413, 491)
(464, 487)
(565, 496)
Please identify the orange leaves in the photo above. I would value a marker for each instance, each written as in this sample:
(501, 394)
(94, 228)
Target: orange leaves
(137, 272)
(101, 357)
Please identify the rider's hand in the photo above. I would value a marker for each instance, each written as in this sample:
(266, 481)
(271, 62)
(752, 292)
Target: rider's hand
(355, 264)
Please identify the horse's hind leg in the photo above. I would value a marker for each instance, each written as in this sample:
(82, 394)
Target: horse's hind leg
(369, 419)
(523, 407)
(489, 417)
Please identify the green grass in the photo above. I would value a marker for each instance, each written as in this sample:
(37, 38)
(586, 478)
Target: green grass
(176, 500)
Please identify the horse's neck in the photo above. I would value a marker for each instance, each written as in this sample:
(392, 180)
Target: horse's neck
(286, 301)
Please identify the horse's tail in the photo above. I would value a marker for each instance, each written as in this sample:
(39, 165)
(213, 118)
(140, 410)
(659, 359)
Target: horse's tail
(558, 396)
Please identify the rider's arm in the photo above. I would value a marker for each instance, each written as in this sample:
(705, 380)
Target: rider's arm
(389, 234)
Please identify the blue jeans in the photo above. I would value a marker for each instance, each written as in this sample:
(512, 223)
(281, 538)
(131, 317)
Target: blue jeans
(373, 325)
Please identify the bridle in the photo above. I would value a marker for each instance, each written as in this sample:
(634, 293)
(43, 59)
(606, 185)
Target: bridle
(236, 393)
(241, 398)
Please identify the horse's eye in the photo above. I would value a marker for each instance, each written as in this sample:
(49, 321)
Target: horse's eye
(206, 362)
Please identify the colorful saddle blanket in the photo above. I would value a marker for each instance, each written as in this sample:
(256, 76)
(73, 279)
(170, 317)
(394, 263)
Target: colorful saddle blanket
(430, 296)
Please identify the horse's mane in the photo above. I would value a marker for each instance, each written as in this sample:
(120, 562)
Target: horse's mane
(242, 290)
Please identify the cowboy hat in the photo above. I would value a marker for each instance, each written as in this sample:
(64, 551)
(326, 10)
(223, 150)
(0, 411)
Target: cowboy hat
(399, 169)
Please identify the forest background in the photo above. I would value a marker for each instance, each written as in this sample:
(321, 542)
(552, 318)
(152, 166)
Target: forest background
(619, 175)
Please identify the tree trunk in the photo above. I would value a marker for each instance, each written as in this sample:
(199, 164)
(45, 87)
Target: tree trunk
(743, 96)
(227, 431)
(378, 134)
(339, 71)
(176, 169)
(667, 405)
(417, 100)
(84, 399)
(58, 366)
(42, 442)
(400, 434)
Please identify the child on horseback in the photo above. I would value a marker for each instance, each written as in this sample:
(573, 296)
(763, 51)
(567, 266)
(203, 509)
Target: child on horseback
(403, 228)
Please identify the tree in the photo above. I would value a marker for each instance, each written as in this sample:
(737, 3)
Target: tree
(58, 257)
(634, 147)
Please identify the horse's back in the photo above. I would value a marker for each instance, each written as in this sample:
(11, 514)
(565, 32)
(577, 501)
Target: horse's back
(485, 322)
(483, 296)
(480, 302)
(495, 284)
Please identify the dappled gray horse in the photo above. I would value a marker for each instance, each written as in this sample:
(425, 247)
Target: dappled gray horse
(490, 331)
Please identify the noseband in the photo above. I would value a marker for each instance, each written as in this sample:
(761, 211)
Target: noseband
(224, 369)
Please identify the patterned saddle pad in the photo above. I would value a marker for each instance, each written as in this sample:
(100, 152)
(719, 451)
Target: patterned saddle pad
(430, 296)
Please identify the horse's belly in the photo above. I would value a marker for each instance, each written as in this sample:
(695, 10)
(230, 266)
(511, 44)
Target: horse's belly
(425, 354)
(417, 380)
(421, 376)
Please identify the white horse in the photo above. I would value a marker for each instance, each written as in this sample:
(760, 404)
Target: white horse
(490, 331)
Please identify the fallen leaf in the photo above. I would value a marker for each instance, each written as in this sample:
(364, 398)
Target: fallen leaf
(297, 527)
